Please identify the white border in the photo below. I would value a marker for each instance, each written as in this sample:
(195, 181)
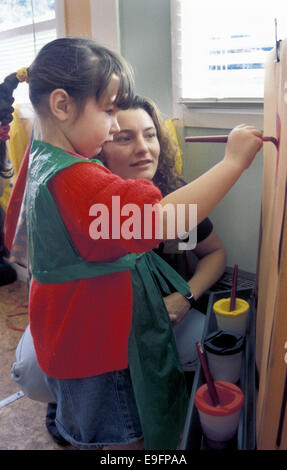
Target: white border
(60, 18)
(177, 108)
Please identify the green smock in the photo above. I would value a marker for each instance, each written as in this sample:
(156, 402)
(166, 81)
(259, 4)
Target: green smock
(157, 376)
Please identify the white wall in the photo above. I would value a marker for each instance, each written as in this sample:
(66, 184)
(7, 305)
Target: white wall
(146, 44)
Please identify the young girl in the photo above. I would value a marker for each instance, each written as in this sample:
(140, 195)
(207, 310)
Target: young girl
(87, 331)
(143, 148)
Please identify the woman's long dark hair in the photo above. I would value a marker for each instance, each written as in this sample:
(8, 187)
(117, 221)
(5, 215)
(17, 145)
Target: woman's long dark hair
(6, 116)
(81, 67)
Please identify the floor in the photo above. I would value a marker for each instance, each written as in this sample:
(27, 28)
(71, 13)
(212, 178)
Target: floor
(23, 421)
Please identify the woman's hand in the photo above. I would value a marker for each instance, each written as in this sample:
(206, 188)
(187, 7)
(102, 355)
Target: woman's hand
(211, 264)
(177, 307)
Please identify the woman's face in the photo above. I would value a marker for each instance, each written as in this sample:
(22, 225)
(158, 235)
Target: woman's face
(135, 149)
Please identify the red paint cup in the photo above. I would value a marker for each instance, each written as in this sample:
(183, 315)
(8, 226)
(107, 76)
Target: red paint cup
(219, 423)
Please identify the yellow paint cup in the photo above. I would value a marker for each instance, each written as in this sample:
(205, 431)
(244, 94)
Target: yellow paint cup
(235, 320)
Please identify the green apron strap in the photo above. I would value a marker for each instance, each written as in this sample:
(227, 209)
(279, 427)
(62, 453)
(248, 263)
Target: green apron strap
(74, 267)
(162, 270)
(157, 376)
(85, 270)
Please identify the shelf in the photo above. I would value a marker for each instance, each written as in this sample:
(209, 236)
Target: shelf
(246, 434)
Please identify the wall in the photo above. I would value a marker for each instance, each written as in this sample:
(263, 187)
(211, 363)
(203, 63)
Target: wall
(146, 44)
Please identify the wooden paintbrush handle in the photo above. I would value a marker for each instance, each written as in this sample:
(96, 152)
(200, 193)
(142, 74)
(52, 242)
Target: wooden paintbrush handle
(208, 377)
(223, 138)
(234, 288)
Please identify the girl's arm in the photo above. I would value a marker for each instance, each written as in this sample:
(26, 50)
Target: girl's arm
(210, 267)
(207, 191)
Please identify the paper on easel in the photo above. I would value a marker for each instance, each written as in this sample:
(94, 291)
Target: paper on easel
(272, 218)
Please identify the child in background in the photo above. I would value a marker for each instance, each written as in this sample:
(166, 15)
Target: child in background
(106, 344)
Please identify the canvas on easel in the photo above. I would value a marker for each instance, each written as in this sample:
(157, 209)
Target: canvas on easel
(271, 318)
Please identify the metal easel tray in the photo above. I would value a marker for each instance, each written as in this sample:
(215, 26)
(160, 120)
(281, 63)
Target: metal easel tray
(246, 435)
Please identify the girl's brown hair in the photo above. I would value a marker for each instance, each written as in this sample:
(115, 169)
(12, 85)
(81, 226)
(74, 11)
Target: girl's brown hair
(81, 67)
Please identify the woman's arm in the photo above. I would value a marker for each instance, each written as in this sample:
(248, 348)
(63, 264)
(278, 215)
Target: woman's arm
(210, 267)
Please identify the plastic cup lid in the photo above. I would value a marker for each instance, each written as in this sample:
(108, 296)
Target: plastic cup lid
(224, 343)
(231, 398)
(221, 307)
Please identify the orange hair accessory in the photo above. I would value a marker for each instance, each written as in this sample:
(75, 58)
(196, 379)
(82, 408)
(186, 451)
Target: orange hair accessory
(22, 74)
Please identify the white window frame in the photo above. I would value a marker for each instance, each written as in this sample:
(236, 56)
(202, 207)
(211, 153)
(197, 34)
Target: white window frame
(60, 18)
(223, 114)
(39, 26)
(105, 23)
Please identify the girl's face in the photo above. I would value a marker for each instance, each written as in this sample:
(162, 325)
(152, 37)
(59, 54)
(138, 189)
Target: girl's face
(135, 149)
(97, 123)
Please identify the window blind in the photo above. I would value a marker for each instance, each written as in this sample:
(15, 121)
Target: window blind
(222, 46)
(19, 46)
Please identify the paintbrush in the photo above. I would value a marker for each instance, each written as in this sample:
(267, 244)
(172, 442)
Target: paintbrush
(234, 288)
(223, 138)
(208, 377)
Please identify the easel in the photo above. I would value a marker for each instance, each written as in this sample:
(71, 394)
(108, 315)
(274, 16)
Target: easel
(271, 332)
(271, 285)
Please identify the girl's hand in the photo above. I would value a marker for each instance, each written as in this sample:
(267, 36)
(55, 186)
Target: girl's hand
(242, 145)
(177, 307)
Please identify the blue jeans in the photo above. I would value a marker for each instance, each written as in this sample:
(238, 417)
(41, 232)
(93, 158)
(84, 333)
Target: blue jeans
(96, 411)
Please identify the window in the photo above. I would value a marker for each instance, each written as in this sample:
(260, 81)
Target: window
(25, 26)
(222, 46)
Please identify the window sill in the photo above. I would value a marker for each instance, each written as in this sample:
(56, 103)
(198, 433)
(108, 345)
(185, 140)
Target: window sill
(222, 114)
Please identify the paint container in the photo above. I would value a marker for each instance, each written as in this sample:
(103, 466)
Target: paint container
(234, 320)
(224, 351)
(219, 423)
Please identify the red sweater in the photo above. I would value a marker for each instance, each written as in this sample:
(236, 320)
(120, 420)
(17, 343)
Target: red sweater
(81, 328)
